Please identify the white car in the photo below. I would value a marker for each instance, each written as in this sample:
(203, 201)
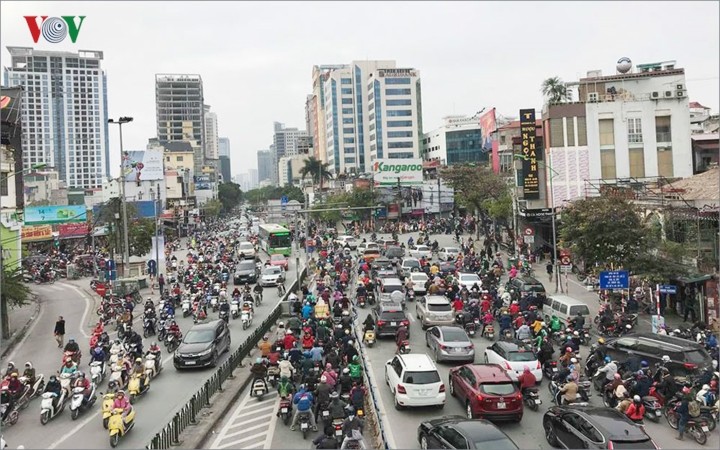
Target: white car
(246, 250)
(448, 253)
(348, 241)
(410, 265)
(414, 381)
(366, 245)
(469, 280)
(418, 280)
(513, 358)
(420, 251)
(272, 276)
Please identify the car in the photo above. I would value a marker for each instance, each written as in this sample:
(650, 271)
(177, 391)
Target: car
(347, 241)
(202, 345)
(434, 310)
(420, 251)
(389, 316)
(457, 432)
(387, 286)
(525, 285)
(384, 243)
(414, 381)
(366, 245)
(410, 265)
(584, 426)
(246, 250)
(245, 272)
(450, 343)
(486, 392)
(447, 268)
(686, 357)
(418, 280)
(279, 260)
(386, 272)
(394, 253)
(468, 280)
(272, 276)
(370, 254)
(381, 263)
(448, 253)
(514, 356)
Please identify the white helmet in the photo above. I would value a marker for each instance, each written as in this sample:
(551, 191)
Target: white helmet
(665, 359)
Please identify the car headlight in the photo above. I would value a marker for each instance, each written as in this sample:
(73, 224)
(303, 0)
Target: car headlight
(177, 353)
(206, 352)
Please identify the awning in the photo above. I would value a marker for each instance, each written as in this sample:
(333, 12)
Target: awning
(694, 279)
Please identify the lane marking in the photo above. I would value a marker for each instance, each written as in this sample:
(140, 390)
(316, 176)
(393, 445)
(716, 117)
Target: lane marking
(242, 417)
(252, 438)
(83, 321)
(244, 430)
(77, 428)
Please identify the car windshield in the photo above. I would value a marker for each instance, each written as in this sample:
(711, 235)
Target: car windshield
(441, 307)
(698, 356)
(371, 251)
(582, 309)
(199, 336)
(246, 246)
(455, 335)
(534, 288)
(419, 277)
(452, 250)
(421, 377)
(272, 270)
(422, 248)
(498, 388)
(521, 356)
(497, 444)
(469, 277)
(392, 315)
(411, 263)
(647, 443)
(246, 265)
(389, 288)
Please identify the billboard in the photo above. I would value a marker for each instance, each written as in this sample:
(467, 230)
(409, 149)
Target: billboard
(530, 172)
(488, 127)
(43, 215)
(143, 165)
(406, 172)
(73, 230)
(37, 233)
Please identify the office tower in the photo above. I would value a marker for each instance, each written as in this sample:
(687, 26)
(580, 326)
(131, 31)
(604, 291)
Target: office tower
(285, 143)
(211, 134)
(265, 165)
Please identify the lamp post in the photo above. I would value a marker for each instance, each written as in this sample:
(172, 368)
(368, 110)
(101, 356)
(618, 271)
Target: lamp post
(126, 252)
(156, 198)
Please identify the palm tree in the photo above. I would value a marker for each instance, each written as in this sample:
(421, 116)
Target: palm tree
(555, 90)
(317, 170)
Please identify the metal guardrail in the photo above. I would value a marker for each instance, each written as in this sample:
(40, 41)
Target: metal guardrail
(187, 415)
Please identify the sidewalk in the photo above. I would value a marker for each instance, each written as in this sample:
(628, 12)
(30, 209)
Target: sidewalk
(20, 318)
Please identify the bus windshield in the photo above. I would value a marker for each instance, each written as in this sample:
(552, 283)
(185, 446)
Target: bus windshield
(279, 240)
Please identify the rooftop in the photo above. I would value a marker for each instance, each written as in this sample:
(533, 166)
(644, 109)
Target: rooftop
(697, 105)
(703, 186)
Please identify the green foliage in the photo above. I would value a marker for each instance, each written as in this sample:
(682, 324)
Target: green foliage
(230, 196)
(212, 208)
(140, 234)
(317, 170)
(262, 195)
(14, 293)
(554, 90)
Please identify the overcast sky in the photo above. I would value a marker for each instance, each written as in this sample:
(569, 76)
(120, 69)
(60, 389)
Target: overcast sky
(256, 58)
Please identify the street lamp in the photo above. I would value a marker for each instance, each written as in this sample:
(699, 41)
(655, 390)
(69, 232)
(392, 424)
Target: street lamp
(27, 169)
(126, 253)
(554, 225)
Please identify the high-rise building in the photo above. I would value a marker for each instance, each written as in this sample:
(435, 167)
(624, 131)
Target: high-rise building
(285, 143)
(224, 146)
(253, 178)
(265, 165)
(211, 134)
(180, 111)
(458, 140)
(64, 112)
(315, 107)
(225, 162)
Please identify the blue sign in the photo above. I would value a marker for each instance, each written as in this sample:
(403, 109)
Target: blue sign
(283, 202)
(614, 279)
(45, 215)
(152, 267)
(668, 289)
(110, 264)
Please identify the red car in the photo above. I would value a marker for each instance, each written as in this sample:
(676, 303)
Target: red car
(487, 392)
(279, 260)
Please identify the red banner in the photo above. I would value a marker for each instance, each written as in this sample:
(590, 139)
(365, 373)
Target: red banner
(72, 230)
(488, 127)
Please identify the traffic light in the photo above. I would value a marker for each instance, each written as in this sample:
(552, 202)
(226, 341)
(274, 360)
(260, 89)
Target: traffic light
(56, 242)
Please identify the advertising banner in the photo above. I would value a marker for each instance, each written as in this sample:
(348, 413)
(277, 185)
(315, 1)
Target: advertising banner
(36, 233)
(45, 215)
(73, 230)
(387, 172)
(530, 172)
(393, 211)
(488, 126)
(143, 165)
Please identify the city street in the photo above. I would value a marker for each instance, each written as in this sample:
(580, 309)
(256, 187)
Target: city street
(167, 393)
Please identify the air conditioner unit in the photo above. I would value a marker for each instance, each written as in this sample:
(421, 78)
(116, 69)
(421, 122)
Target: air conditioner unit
(668, 94)
(680, 94)
(655, 94)
(680, 87)
(592, 97)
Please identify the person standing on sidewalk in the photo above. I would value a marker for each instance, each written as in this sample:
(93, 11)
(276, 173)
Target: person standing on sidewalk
(549, 269)
(161, 283)
(60, 331)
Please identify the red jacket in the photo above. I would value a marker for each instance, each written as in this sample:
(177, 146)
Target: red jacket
(635, 411)
(308, 341)
(289, 341)
(526, 380)
(458, 305)
(514, 309)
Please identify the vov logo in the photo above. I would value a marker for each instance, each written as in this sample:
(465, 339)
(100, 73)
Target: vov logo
(54, 29)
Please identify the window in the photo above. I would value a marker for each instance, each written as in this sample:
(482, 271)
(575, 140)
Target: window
(503, 389)
(397, 91)
(347, 120)
(400, 134)
(582, 131)
(347, 110)
(346, 91)
(665, 161)
(348, 130)
(4, 183)
(556, 133)
(662, 129)
(607, 164)
(452, 437)
(607, 134)
(570, 121)
(345, 80)
(425, 377)
(634, 125)
(400, 145)
(349, 140)
(347, 101)
(398, 102)
(637, 162)
(401, 155)
(397, 80)
(399, 113)
(399, 123)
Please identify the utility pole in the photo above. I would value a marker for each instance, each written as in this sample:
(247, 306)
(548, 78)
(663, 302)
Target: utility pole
(157, 229)
(123, 199)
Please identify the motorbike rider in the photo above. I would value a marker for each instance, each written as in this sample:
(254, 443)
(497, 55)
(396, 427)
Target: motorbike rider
(138, 369)
(224, 306)
(526, 380)
(258, 290)
(353, 422)
(632, 363)
(174, 329)
(14, 385)
(636, 410)
(505, 322)
(401, 335)
(155, 350)
(303, 401)
(121, 402)
(72, 346)
(624, 403)
(84, 383)
(369, 324)
(555, 324)
(29, 373)
(259, 372)
(610, 369)
(53, 385)
(69, 367)
(327, 439)
(322, 392)
(98, 354)
(569, 391)
(600, 349)
(642, 384)
(578, 322)
(523, 332)
(10, 369)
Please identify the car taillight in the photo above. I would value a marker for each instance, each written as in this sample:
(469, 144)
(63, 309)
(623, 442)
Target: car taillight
(553, 363)
(480, 398)
(471, 346)
(401, 389)
(610, 445)
(690, 366)
(442, 387)
(518, 397)
(380, 323)
(538, 365)
(507, 365)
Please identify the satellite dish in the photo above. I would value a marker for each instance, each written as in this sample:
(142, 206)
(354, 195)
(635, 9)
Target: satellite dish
(624, 65)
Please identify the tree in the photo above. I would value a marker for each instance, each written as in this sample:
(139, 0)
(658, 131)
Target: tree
(262, 195)
(14, 293)
(554, 90)
(230, 196)
(317, 170)
(140, 230)
(140, 235)
(212, 208)
(605, 230)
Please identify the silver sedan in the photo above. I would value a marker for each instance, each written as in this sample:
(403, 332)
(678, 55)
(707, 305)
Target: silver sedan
(450, 343)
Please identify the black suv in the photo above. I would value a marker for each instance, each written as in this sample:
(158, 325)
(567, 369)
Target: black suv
(686, 357)
(525, 284)
(202, 345)
(394, 253)
(388, 318)
(246, 272)
(583, 426)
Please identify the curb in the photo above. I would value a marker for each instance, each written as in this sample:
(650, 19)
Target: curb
(18, 335)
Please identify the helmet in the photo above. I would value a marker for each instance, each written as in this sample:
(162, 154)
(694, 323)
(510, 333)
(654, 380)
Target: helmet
(573, 360)
(350, 342)
(323, 379)
(568, 349)
(644, 364)
(14, 375)
(288, 332)
(11, 365)
(281, 324)
(346, 370)
(71, 341)
(628, 327)
(685, 390)
(120, 392)
(53, 378)
(575, 333)
(258, 360)
(607, 359)
(81, 375)
(637, 399)
(328, 366)
(334, 395)
(640, 373)
(617, 376)
(28, 365)
(665, 359)
(601, 340)
(265, 338)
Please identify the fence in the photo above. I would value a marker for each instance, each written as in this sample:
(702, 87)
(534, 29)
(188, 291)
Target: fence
(187, 415)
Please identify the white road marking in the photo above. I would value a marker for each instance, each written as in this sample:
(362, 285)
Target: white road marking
(77, 428)
(249, 438)
(240, 417)
(88, 305)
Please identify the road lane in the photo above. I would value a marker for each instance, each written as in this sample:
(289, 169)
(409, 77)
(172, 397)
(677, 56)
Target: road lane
(166, 395)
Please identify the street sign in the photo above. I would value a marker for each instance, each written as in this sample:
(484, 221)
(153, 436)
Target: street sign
(668, 289)
(565, 261)
(656, 322)
(283, 202)
(529, 231)
(614, 279)
(565, 268)
(529, 239)
(152, 267)
(537, 212)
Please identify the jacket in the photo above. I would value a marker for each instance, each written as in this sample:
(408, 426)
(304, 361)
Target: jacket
(636, 411)
(570, 391)
(303, 400)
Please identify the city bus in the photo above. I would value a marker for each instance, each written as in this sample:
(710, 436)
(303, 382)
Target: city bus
(274, 239)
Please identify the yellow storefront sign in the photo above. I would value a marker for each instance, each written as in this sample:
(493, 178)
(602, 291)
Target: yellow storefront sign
(37, 233)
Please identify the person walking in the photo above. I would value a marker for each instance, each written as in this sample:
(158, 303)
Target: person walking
(549, 269)
(60, 332)
(161, 283)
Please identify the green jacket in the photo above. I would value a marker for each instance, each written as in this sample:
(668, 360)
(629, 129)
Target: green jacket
(355, 370)
(555, 324)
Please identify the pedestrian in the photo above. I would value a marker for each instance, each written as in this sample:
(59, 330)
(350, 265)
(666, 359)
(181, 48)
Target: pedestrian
(161, 283)
(60, 332)
(549, 269)
(689, 304)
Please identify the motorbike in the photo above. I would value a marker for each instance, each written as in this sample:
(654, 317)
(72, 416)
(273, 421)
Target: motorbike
(214, 303)
(258, 389)
(29, 391)
(153, 365)
(369, 338)
(489, 332)
(116, 375)
(337, 425)
(97, 372)
(470, 328)
(404, 347)
(285, 407)
(108, 398)
(549, 369)
(186, 311)
(75, 356)
(234, 309)
(11, 417)
(48, 410)
(273, 375)
(532, 398)
(258, 299)
(78, 402)
(137, 387)
(119, 427)
(507, 334)
(246, 320)
(149, 327)
(224, 316)
(361, 301)
(696, 426)
(171, 342)
(653, 409)
(304, 421)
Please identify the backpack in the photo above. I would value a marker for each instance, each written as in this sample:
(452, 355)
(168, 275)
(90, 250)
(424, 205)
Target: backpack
(694, 408)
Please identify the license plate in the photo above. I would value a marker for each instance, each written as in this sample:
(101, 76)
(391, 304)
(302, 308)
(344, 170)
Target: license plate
(393, 324)
(537, 401)
(303, 426)
(554, 369)
(501, 405)
(658, 413)
(457, 350)
(190, 363)
(259, 391)
(284, 410)
(326, 413)
(705, 429)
